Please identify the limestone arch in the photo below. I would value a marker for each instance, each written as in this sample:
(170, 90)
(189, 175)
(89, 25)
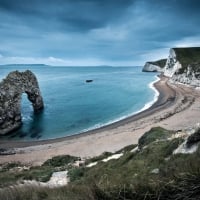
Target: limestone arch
(11, 90)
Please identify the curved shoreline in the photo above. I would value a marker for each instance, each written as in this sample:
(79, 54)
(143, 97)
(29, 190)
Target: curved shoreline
(147, 106)
(166, 97)
(177, 108)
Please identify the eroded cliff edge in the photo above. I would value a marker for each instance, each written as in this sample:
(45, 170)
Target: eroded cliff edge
(182, 66)
(154, 66)
(11, 90)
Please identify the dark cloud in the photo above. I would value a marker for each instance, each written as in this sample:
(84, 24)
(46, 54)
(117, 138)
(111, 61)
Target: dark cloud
(109, 30)
(68, 14)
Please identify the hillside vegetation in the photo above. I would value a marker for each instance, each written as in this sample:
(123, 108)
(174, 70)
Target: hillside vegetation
(161, 63)
(147, 171)
(188, 56)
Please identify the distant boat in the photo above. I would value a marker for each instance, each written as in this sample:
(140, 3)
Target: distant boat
(89, 81)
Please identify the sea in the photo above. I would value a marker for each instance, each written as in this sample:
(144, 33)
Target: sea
(73, 106)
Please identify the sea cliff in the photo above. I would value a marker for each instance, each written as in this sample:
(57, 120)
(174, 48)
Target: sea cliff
(156, 66)
(182, 66)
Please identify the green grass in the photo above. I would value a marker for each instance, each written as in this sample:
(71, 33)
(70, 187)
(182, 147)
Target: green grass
(132, 166)
(156, 133)
(59, 161)
(161, 63)
(10, 174)
(11, 177)
(130, 176)
(98, 158)
(188, 56)
(127, 148)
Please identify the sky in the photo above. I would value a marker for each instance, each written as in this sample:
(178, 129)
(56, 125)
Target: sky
(95, 32)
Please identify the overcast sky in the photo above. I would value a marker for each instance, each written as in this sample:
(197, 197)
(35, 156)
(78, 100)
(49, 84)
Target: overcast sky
(95, 32)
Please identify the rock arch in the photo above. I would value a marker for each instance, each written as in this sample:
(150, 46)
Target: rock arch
(11, 89)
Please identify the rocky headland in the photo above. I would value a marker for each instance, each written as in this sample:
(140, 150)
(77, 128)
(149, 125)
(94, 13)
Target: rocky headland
(182, 66)
(11, 90)
(156, 66)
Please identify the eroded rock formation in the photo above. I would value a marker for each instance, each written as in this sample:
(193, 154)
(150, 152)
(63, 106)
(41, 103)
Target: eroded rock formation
(183, 66)
(149, 67)
(155, 66)
(11, 89)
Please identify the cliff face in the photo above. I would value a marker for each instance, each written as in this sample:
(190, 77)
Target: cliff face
(172, 64)
(11, 89)
(148, 67)
(189, 76)
(156, 66)
(183, 65)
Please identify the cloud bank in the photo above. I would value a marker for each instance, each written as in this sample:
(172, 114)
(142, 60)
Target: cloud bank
(95, 32)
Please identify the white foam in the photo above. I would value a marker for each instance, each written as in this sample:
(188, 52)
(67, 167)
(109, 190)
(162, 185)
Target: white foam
(26, 118)
(151, 86)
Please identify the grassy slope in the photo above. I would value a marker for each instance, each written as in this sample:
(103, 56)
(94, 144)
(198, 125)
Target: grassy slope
(188, 56)
(161, 63)
(13, 173)
(131, 176)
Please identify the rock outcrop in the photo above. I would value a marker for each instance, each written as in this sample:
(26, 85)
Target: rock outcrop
(11, 89)
(156, 66)
(189, 77)
(172, 64)
(183, 66)
(148, 67)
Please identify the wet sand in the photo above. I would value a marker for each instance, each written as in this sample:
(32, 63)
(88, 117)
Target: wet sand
(177, 107)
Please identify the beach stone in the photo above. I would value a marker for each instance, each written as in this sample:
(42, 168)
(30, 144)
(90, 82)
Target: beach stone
(11, 90)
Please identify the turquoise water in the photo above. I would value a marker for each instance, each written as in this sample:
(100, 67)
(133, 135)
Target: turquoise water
(73, 106)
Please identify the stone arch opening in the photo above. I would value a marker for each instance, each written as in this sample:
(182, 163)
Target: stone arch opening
(32, 121)
(26, 107)
(11, 90)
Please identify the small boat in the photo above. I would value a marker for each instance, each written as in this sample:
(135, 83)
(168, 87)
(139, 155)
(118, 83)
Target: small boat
(89, 81)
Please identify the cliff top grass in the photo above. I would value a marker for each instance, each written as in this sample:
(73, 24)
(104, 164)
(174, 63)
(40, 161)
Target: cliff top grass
(188, 56)
(161, 63)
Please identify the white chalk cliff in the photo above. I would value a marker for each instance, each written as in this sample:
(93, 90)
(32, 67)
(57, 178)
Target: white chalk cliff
(172, 64)
(182, 66)
(154, 66)
(149, 67)
(188, 74)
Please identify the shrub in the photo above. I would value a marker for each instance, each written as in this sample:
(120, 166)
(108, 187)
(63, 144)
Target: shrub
(98, 158)
(156, 133)
(59, 161)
